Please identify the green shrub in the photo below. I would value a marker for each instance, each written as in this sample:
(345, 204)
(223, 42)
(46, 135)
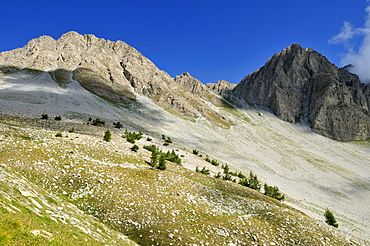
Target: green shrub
(151, 148)
(71, 130)
(330, 219)
(97, 122)
(195, 152)
(215, 163)
(167, 140)
(107, 136)
(227, 177)
(59, 134)
(173, 157)
(241, 175)
(131, 137)
(205, 171)
(251, 182)
(273, 191)
(44, 116)
(162, 163)
(135, 148)
(117, 125)
(58, 118)
(154, 159)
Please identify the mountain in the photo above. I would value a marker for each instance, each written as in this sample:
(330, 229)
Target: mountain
(301, 83)
(113, 70)
(116, 186)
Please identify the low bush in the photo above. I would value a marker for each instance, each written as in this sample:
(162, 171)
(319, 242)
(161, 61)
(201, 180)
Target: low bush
(135, 148)
(97, 122)
(131, 137)
(330, 219)
(107, 136)
(273, 191)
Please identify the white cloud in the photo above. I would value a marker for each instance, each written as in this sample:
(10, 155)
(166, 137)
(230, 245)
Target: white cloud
(347, 32)
(359, 58)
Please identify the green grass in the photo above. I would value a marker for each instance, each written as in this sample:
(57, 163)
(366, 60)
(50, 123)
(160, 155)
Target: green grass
(116, 186)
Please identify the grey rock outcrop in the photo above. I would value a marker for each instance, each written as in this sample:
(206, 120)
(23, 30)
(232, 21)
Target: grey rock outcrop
(191, 84)
(300, 82)
(222, 88)
(113, 70)
(196, 87)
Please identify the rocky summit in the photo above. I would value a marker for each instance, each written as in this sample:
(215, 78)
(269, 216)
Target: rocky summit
(112, 70)
(300, 83)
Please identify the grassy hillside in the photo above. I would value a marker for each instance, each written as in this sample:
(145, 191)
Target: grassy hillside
(49, 186)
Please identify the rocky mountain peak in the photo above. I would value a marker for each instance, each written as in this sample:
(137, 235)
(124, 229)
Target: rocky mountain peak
(190, 83)
(112, 70)
(301, 83)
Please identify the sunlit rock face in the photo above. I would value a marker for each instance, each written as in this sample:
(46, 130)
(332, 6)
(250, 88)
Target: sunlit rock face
(112, 70)
(301, 83)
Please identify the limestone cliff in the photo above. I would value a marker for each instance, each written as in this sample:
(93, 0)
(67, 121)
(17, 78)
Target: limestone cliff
(300, 82)
(113, 70)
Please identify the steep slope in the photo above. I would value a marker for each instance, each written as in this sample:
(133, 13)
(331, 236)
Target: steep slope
(29, 215)
(114, 184)
(300, 82)
(113, 70)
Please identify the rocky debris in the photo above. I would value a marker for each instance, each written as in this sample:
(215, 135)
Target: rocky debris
(42, 233)
(300, 82)
(112, 70)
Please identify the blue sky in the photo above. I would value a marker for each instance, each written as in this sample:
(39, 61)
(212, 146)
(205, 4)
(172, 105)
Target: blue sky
(211, 40)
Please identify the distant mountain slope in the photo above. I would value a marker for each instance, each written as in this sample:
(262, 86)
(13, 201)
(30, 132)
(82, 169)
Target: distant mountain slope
(300, 82)
(113, 70)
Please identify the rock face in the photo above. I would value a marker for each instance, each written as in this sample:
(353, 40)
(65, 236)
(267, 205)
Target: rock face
(113, 70)
(222, 88)
(300, 82)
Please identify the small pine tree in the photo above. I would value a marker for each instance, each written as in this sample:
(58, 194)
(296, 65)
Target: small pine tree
(154, 159)
(59, 134)
(107, 136)
(118, 125)
(205, 171)
(197, 170)
(273, 191)
(135, 148)
(330, 219)
(254, 183)
(218, 175)
(44, 116)
(72, 130)
(58, 118)
(162, 162)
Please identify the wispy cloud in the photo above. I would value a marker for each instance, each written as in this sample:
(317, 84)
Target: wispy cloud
(360, 57)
